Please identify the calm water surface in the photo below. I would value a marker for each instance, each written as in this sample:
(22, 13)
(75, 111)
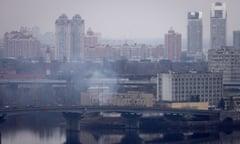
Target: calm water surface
(51, 129)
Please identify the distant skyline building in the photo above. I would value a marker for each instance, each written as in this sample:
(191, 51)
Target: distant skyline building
(69, 35)
(62, 38)
(77, 38)
(91, 39)
(21, 44)
(194, 33)
(236, 39)
(218, 25)
(173, 45)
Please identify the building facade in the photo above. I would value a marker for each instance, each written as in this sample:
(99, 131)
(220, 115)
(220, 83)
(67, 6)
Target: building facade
(21, 44)
(77, 38)
(236, 39)
(190, 87)
(227, 61)
(195, 33)
(91, 39)
(103, 96)
(218, 25)
(62, 38)
(173, 45)
(69, 38)
(135, 52)
(232, 103)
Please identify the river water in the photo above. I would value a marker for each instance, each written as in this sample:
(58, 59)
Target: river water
(46, 128)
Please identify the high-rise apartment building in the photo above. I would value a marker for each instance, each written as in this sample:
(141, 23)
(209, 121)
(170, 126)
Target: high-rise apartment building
(69, 36)
(62, 38)
(173, 45)
(21, 44)
(236, 39)
(194, 33)
(77, 38)
(192, 86)
(227, 61)
(218, 25)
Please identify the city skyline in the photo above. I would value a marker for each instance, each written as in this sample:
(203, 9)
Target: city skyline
(115, 19)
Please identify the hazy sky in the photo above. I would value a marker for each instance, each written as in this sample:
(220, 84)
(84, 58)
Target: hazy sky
(114, 18)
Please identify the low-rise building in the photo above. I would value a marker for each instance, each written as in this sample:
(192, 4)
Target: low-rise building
(132, 98)
(95, 96)
(103, 96)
